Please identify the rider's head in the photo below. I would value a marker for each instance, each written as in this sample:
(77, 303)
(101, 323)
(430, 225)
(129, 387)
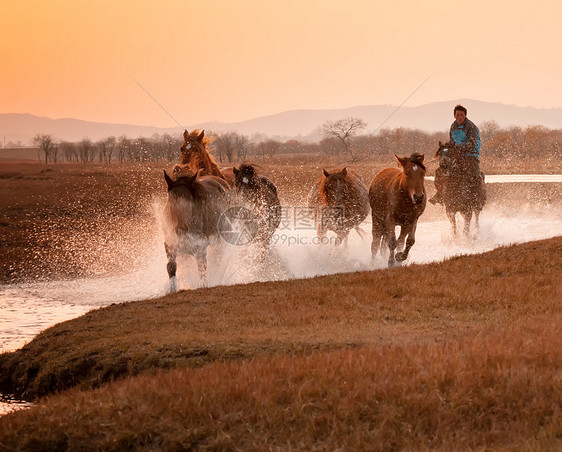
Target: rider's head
(460, 114)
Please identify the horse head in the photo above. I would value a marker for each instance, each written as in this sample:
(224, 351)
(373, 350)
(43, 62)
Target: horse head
(334, 185)
(413, 175)
(447, 154)
(194, 144)
(181, 186)
(244, 175)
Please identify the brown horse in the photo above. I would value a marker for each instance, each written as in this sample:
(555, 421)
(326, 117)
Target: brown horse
(342, 202)
(191, 216)
(195, 157)
(397, 198)
(261, 195)
(464, 191)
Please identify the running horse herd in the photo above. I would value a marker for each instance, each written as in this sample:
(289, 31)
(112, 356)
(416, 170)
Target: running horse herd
(200, 191)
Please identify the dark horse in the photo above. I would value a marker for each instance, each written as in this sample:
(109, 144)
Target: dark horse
(342, 202)
(196, 157)
(397, 197)
(191, 215)
(260, 194)
(464, 190)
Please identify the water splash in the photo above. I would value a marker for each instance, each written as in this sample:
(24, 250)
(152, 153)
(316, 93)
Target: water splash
(135, 255)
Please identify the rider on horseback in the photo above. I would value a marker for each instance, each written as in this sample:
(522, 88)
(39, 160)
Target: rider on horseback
(466, 136)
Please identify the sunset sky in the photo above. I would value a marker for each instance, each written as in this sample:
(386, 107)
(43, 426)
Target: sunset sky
(231, 60)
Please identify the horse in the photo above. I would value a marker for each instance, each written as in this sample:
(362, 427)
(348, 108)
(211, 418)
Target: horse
(195, 156)
(397, 197)
(341, 202)
(191, 216)
(464, 190)
(260, 194)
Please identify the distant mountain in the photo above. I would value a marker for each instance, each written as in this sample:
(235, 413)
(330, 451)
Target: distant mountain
(432, 117)
(16, 127)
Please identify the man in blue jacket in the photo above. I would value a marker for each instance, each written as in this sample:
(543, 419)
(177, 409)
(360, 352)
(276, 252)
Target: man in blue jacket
(466, 136)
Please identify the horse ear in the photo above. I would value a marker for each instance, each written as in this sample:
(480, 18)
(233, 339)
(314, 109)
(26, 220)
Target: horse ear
(440, 144)
(235, 170)
(201, 135)
(326, 173)
(421, 157)
(344, 172)
(169, 180)
(185, 135)
(401, 160)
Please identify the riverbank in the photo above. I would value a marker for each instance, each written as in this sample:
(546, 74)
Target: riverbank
(463, 353)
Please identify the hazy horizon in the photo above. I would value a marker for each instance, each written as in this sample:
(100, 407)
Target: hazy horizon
(220, 61)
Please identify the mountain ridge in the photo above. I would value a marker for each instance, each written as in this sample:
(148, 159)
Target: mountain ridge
(298, 123)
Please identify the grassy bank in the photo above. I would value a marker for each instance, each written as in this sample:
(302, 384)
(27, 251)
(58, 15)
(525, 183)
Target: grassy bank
(474, 362)
(499, 391)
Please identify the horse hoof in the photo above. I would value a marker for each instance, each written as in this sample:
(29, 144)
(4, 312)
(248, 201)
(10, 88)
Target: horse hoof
(400, 257)
(172, 286)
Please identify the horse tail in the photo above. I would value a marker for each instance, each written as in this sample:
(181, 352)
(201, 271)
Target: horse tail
(360, 232)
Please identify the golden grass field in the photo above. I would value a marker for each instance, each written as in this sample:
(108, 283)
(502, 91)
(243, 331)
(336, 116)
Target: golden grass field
(459, 355)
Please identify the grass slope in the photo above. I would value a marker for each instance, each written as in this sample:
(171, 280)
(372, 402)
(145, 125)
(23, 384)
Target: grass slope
(474, 364)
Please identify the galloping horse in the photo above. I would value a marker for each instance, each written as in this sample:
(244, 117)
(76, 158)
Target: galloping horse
(195, 157)
(397, 198)
(261, 194)
(464, 190)
(341, 200)
(191, 216)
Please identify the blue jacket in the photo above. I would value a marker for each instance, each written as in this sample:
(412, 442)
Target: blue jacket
(466, 137)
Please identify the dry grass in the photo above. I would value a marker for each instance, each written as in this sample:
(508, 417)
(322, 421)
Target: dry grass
(498, 390)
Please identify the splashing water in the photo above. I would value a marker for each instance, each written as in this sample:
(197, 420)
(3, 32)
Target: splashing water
(294, 253)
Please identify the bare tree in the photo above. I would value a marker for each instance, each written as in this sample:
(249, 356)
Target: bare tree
(85, 150)
(225, 145)
(269, 147)
(45, 143)
(123, 146)
(241, 144)
(343, 130)
(169, 144)
(68, 150)
(109, 147)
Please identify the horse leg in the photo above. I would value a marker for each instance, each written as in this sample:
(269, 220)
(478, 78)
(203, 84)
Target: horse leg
(391, 237)
(453, 220)
(321, 230)
(378, 232)
(467, 217)
(477, 220)
(202, 267)
(342, 237)
(402, 256)
(401, 239)
(171, 266)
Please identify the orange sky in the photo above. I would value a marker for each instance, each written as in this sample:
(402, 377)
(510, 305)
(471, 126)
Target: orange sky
(231, 60)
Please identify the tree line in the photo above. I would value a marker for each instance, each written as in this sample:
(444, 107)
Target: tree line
(344, 137)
